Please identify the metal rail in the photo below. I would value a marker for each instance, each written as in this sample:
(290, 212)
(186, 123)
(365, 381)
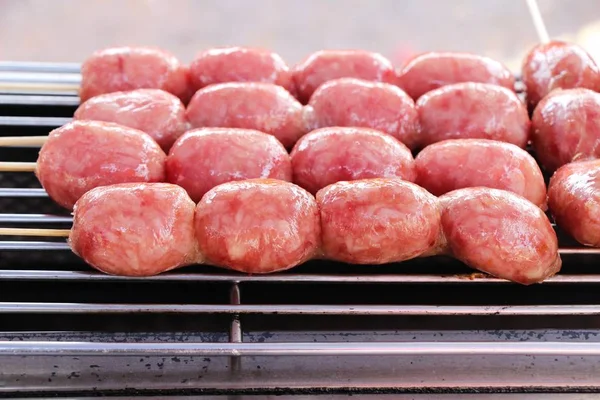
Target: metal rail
(93, 276)
(40, 67)
(18, 192)
(50, 348)
(34, 218)
(34, 121)
(291, 309)
(33, 100)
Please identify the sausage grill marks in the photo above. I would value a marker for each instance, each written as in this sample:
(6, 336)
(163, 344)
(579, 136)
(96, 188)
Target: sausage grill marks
(265, 225)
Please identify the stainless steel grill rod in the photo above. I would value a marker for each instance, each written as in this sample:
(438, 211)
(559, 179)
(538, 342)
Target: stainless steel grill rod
(82, 276)
(292, 309)
(48, 348)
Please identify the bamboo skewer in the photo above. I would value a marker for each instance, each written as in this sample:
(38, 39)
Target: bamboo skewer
(34, 232)
(44, 87)
(17, 166)
(10, 141)
(538, 21)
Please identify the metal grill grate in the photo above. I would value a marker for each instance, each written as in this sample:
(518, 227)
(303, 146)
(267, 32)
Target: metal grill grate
(424, 325)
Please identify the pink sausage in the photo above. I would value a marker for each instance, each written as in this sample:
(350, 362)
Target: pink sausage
(135, 229)
(461, 163)
(83, 155)
(258, 226)
(204, 158)
(558, 65)
(239, 64)
(430, 71)
(377, 221)
(156, 112)
(329, 155)
(327, 65)
(473, 111)
(360, 103)
(265, 107)
(500, 233)
(566, 127)
(126, 68)
(574, 199)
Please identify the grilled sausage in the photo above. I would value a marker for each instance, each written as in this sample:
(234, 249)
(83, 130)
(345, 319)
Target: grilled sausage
(329, 155)
(430, 71)
(204, 158)
(239, 64)
(156, 112)
(360, 103)
(473, 110)
(500, 233)
(378, 221)
(134, 229)
(128, 68)
(462, 163)
(327, 65)
(566, 127)
(257, 226)
(574, 199)
(82, 155)
(262, 106)
(558, 65)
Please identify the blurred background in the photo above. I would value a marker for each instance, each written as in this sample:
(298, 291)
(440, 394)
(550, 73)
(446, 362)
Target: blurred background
(69, 30)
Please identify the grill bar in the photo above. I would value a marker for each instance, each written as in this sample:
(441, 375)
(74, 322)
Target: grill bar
(50, 348)
(18, 192)
(24, 100)
(34, 121)
(67, 79)
(86, 308)
(33, 275)
(43, 67)
(19, 245)
(34, 218)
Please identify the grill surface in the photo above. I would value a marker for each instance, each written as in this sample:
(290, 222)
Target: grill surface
(427, 325)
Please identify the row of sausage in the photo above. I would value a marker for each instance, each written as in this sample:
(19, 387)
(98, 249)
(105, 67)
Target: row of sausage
(565, 125)
(546, 67)
(83, 155)
(261, 226)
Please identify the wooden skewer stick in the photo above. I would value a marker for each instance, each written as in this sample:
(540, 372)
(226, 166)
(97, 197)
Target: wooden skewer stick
(538, 21)
(17, 166)
(34, 232)
(44, 87)
(9, 141)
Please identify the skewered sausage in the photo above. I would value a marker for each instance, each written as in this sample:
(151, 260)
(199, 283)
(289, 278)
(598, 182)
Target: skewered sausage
(127, 68)
(473, 110)
(432, 70)
(239, 64)
(329, 155)
(135, 229)
(574, 199)
(566, 127)
(265, 107)
(257, 226)
(500, 233)
(461, 163)
(82, 155)
(558, 65)
(156, 112)
(204, 158)
(377, 221)
(360, 103)
(327, 65)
